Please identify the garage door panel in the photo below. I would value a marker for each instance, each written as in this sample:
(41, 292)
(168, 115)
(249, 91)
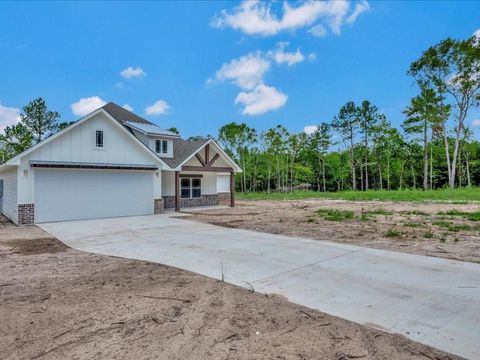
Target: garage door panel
(87, 194)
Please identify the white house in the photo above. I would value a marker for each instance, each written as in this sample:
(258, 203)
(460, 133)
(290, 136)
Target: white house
(113, 163)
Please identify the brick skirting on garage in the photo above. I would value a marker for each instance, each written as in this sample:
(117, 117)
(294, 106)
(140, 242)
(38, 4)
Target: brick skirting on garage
(158, 206)
(204, 200)
(26, 214)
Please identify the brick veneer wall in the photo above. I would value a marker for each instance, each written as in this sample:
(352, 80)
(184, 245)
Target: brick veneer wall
(204, 200)
(158, 206)
(26, 214)
(224, 198)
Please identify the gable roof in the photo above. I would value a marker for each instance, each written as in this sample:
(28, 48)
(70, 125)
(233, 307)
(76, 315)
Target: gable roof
(16, 158)
(182, 150)
(130, 119)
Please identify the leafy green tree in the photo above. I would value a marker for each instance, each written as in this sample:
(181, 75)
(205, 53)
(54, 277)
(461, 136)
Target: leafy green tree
(237, 138)
(174, 130)
(38, 119)
(321, 141)
(452, 69)
(347, 123)
(15, 139)
(369, 117)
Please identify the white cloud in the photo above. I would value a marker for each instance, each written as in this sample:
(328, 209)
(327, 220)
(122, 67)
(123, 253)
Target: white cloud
(312, 57)
(310, 129)
(160, 107)
(246, 72)
(8, 116)
(261, 99)
(318, 31)
(85, 106)
(280, 56)
(476, 123)
(360, 7)
(128, 107)
(257, 17)
(132, 72)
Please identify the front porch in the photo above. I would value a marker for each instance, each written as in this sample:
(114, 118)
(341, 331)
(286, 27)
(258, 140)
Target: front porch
(203, 180)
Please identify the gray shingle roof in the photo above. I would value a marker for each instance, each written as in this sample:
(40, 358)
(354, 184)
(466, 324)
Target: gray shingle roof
(182, 149)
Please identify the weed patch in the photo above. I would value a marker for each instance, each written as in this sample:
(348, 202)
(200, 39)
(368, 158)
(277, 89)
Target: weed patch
(335, 215)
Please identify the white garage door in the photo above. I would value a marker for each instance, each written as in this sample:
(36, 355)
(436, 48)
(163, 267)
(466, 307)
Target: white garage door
(88, 194)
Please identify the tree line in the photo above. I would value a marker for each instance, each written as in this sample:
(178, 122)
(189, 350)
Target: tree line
(433, 148)
(358, 149)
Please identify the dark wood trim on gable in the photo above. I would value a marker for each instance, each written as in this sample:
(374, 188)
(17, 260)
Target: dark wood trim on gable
(191, 176)
(207, 169)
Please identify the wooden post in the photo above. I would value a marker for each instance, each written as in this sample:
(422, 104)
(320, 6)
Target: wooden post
(232, 189)
(177, 190)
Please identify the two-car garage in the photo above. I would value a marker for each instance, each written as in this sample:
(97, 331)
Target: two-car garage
(73, 194)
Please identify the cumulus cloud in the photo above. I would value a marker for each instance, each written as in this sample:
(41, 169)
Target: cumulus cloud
(128, 107)
(246, 72)
(132, 72)
(310, 129)
(318, 31)
(261, 99)
(85, 106)
(8, 116)
(258, 18)
(360, 7)
(476, 123)
(281, 56)
(160, 107)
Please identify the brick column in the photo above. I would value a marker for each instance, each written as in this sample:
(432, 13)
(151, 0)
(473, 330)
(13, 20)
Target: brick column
(158, 206)
(26, 214)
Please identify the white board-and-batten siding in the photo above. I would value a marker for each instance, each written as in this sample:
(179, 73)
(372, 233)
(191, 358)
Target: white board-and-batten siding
(10, 204)
(78, 145)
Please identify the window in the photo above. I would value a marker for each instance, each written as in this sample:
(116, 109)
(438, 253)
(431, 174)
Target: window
(161, 146)
(190, 188)
(99, 138)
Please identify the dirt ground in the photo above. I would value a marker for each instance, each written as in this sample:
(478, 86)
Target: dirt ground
(417, 228)
(60, 303)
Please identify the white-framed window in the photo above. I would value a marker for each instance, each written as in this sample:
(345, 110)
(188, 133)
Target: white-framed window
(99, 138)
(190, 188)
(161, 146)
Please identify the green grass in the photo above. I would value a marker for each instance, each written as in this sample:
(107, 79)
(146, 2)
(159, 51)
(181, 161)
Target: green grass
(379, 211)
(428, 235)
(392, 233)
(462, 195)
(335, 215)
(472, 216)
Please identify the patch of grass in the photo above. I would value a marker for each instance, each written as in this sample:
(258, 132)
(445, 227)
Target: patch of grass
(414, 224)
(413, 212)
(335, 215)
(472, 216)
(379, 211)
(455, 196)
(364, 217)
(428, 235)
(393, 233)
(442, 223)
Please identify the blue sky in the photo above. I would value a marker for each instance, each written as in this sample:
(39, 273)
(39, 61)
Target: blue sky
(199, 65)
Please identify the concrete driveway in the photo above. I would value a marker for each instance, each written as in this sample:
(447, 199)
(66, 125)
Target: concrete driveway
(430, 300)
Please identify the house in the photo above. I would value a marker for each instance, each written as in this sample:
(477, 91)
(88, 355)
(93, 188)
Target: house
(113, 163)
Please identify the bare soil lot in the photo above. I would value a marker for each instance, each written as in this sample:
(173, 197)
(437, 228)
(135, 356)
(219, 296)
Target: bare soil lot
(435, 229)
(60, 303)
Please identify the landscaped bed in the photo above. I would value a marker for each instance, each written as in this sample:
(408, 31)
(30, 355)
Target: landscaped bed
(60, 303)
(442, 229)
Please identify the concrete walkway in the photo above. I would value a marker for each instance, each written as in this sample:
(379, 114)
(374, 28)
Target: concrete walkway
(430, 300)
